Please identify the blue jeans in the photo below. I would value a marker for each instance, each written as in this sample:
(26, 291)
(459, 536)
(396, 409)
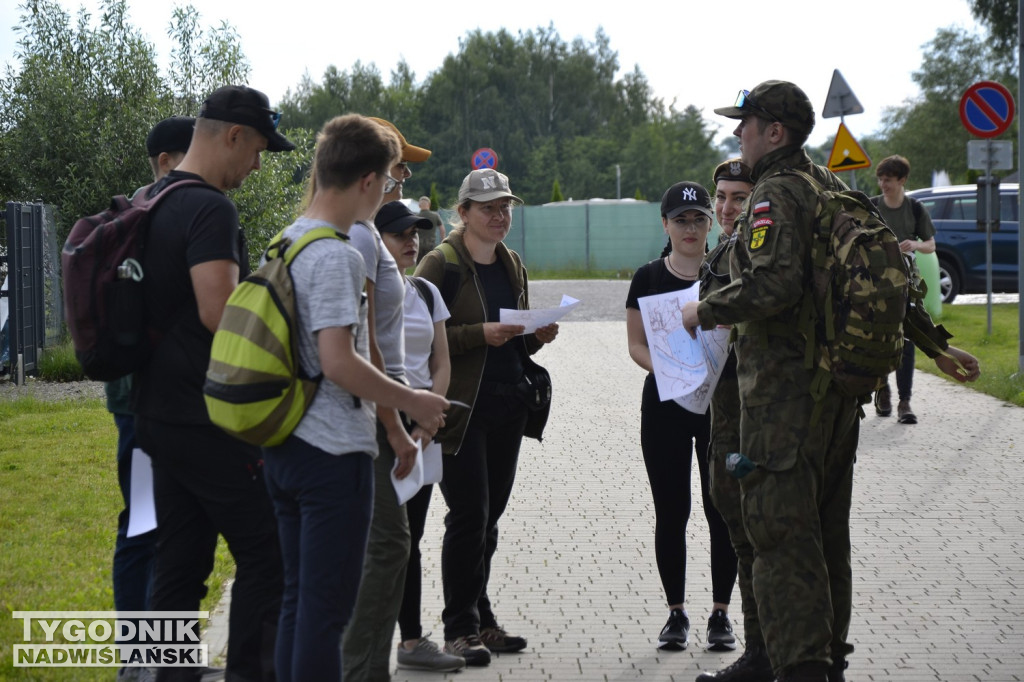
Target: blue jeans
(133, 556)
(323, 504)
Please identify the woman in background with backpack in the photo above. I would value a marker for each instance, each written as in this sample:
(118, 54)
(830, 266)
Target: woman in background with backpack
(427, 366)
(478, 275)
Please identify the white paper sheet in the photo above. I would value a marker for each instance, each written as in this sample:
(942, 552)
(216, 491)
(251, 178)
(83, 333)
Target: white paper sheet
(406, 487)
(540, 317)
(142, 510)
(685, 369)
(433, 467)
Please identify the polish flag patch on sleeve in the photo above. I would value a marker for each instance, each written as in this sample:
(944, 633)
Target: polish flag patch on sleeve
(762, 207)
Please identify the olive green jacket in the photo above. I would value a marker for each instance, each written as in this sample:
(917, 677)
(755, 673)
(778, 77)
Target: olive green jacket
(465, 327)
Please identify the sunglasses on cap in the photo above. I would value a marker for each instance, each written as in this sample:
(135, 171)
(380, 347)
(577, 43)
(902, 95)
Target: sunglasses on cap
(743, 101)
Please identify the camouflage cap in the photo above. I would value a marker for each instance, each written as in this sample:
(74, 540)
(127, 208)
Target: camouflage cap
(733, 169)
(780, 101)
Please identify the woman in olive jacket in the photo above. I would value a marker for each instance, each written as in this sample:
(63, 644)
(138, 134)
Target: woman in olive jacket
(481, 443)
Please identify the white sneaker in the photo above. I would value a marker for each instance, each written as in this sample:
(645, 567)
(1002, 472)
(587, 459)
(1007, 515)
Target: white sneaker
(427, 656)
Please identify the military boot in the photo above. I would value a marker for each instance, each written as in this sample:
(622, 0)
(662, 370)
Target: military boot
(752, 666)
(836, 671)
(811, 671)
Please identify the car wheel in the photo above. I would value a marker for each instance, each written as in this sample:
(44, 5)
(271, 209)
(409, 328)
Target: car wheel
(949, 281)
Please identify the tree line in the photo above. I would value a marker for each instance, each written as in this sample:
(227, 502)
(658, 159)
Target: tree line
(75, 112)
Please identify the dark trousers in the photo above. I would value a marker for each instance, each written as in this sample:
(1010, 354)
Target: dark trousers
(476, 486)
(323, 504)
(905, 372)
(409, 616)
(207, 483)
(133, 556)
(669, 435)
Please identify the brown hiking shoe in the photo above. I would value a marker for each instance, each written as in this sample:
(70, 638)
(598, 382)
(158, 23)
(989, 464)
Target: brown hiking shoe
(883, 401)
(904, 414)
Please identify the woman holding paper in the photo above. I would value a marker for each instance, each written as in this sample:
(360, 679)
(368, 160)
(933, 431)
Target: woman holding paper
(669, 433)
(426, 366)
(477, 276)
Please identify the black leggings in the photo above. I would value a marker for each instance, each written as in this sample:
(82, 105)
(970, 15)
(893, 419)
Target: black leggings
(668, 434)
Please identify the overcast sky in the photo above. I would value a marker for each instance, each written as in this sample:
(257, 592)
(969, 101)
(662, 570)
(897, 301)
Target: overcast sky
(696, 53)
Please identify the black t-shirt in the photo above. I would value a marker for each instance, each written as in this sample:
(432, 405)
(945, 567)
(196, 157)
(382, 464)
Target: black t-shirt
(503, 363)
(653, 278)
(192, 225)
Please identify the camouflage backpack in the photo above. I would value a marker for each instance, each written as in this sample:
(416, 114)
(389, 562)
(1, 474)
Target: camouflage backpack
(861, 286)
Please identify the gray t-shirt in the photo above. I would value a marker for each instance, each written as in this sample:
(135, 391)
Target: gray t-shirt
(329, 276)
(388, 296)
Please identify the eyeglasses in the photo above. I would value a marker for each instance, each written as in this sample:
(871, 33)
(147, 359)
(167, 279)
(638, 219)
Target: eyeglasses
(696, 225)
(743, 101)
(390, 184)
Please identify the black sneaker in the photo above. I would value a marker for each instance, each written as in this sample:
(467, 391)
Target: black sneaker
(470, 648)
(752, 666)
(837, 671)
(720, 637)
(499, 641)
(675, 635)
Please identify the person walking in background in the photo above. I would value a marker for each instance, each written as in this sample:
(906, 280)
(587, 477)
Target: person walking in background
(166, 145)
(321, 478)
(669, 434)
(205, 482)
(427, 366)
(909, 220)
(733, 184)
(481, 444)
(429, 236)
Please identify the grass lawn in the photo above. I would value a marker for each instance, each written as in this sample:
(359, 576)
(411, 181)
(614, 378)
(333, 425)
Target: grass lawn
(58, 520)
(999, 353)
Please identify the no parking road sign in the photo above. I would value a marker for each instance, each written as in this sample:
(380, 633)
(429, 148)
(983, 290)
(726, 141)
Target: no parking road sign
(986, 109)
(485, 158)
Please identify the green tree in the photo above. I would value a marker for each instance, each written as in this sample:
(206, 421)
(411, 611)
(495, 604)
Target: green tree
(202, 59)
(74, 119)
(927, 130)
(1000, 17)
(556, 192)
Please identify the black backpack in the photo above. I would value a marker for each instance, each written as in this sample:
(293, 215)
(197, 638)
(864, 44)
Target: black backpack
(104, 303)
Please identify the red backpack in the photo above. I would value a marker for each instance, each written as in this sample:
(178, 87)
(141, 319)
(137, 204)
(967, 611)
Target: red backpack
(104, 303)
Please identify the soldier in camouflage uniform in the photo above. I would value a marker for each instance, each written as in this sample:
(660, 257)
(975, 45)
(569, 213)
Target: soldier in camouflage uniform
(733, 184)
(796, 476)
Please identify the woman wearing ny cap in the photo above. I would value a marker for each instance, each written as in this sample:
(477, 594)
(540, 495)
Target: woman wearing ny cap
(481, 444)
(669, 433)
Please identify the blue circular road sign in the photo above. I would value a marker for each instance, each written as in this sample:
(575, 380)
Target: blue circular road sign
(485, 158)
(986, 109)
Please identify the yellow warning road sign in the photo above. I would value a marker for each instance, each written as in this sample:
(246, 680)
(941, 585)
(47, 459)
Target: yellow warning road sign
(846, 153)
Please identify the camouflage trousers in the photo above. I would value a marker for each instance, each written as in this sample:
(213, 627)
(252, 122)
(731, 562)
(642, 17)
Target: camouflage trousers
(725, 493)
(797, 518)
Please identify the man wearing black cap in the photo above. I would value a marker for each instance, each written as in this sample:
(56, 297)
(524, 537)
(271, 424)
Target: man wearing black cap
(205, 482)
(795, 471)
(166, 145)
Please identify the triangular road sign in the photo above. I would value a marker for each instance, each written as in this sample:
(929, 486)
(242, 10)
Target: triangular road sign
(846, 153)
(840, 100)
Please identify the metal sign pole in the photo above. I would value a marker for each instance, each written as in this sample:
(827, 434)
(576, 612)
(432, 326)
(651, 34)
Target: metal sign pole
(988, 229)
(1020, 196)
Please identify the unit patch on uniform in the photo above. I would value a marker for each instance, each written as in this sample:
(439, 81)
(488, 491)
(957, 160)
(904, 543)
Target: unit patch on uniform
(758, 232)
(762, 207)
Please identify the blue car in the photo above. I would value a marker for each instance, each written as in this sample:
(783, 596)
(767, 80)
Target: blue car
(960, 242)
